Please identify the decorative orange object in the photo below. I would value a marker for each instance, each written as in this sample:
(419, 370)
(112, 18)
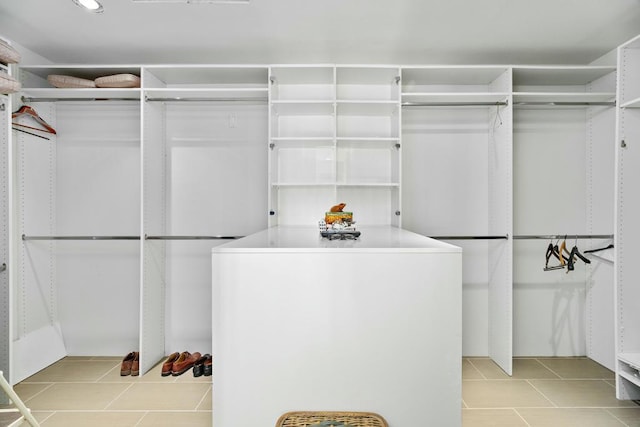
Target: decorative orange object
(338, 208)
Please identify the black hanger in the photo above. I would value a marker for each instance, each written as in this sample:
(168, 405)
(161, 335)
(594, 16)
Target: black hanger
(552, 251)
(575, 252)
(590, 251)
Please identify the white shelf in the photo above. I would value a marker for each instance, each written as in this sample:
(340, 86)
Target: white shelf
(303, 108)
(628, 367)
(559, 75)
(368, 184)
(573, 97)
(90, 72)
(450, 75)
(366, 108)
(203, 76)
(367, 83)
(303, 184)
(454, 97)
(631, 359)
(206, 93)
(634, 103)
(365, 139)
(302, 139)
(88, 94)
(630, 377)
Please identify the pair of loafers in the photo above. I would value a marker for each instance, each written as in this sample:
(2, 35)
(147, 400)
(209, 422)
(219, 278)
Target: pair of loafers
(130, 365)
(179, 363)
(204, 366)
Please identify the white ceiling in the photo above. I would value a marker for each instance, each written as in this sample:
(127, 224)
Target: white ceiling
(324, 31)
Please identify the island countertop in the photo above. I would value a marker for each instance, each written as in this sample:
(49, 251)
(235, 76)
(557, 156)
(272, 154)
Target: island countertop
(308, 239)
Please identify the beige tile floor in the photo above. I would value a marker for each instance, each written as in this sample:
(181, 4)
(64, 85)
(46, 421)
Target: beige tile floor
(89, 391)
(543, 392)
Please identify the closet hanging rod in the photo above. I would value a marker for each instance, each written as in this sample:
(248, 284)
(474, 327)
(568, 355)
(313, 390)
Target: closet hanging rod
(567, 103)
(562, 236)
(27, 99)
(25, 237)
(181, 99)
(505, 237)
(192, 237)
(454, 104)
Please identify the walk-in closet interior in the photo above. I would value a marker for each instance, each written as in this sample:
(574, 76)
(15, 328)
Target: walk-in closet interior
(113, 198)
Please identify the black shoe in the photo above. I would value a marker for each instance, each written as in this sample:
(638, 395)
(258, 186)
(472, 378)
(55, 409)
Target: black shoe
(198, 367)
(208, 365)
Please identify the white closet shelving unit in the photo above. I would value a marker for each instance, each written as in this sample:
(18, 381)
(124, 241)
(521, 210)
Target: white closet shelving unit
(77, 221)
(121, 208)
(204, 176)
(368, 142)
(627, 205)
(334, 137)
(456, 132)
(563, 173)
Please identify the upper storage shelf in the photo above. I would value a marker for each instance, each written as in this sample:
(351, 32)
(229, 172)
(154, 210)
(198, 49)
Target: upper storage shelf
(564, 85)
(201, 82)
(302, 83)
(36, 87)
(370, 83)
(455, 85)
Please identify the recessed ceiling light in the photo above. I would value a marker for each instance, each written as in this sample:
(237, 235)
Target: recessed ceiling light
(90, 5)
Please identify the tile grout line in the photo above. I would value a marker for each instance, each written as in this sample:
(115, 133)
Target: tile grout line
(45, 419)
(554, 372)
(614, 416)
(38, 393)
(141, 418)
(118, 396)
(205, 395)
(105, 374)
(543, 395)
(476, 368)
(521, 417)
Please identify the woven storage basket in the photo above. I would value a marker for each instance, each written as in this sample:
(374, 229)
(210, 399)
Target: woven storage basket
(352, 419)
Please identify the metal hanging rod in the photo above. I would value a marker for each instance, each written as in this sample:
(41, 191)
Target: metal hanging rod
(505, 237)
(3, 267)
(567, 103)
(24, 237)
(26, 99)
(562, 236)
(182, 99)
(455, 104)
(192, 237)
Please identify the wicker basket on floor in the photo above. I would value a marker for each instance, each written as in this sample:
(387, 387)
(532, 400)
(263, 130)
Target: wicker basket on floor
(352, 419)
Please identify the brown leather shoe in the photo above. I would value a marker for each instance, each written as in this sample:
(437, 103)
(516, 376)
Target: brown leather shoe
(125, 367)
(184, 363)
(135, 364)
(167, 366)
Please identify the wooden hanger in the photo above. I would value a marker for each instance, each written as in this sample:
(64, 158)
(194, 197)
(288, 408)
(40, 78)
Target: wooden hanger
(563, 249)
(28, 111)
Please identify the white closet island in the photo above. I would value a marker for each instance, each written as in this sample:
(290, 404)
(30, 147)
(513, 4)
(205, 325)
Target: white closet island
(304, 323)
